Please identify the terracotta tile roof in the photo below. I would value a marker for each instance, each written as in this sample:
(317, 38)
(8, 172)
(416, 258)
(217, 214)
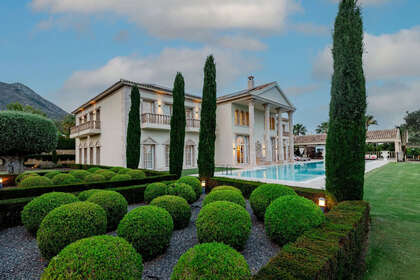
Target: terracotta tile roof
(311, 139)
(382, 134)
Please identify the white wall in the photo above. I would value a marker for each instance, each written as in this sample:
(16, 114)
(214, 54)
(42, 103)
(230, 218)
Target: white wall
(224, 134)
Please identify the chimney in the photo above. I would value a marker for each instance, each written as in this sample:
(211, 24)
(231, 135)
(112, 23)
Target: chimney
(251, 82)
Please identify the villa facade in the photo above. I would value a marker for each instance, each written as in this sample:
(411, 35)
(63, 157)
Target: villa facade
(250, 128)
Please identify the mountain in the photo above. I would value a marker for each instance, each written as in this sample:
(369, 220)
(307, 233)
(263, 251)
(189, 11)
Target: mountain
(17, 92)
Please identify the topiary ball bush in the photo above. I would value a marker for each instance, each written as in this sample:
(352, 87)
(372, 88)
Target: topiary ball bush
(136, 174)
(211, 261)
(226, 188)
(124, 170)
(114, 204)
(65, 179)
(177, 207)
(84, 195)
(68, 223)
(93, 178)
(120, 177)
(96, 258)
(80, 174)
(148, 229)
(183, 190)
(226, 195)
(155, 190)
(262, 196)
(24, 175)
(35, 180)
(94, 169)
(116, 169)
(290, 216)
(108, 174)
(194, 183)
(51, 174)
(33, 212)
(224, 221)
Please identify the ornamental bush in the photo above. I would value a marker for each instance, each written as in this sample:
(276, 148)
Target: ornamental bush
(114, 204)
(136, 174)
(177, 207)
(92, 178)
(224, 221)
(225, 195)
(84, 195)
(262, 196)
(226, 188)
(124, 170)
(24, 175)
(65, 179)
(51, 174)
(68, 223)
(120, 177)
(289, 216)
(211, 261)
(108, 174)
(155, 190)
(33, 212)
(80, 174)
(116, 169)
(94, 169)
(96, 258)
(148, 229)
(35, 180)
(183, 190)
(194, 183)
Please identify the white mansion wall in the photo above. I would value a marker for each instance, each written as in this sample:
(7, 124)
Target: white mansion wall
(224, 134)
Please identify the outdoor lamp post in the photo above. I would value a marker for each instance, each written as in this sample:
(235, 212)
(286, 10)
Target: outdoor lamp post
(322, 203)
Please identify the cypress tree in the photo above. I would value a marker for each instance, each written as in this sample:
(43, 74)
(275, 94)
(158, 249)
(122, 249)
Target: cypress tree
(132, 149)
(345, 148)
(208, 121)
(176, 148)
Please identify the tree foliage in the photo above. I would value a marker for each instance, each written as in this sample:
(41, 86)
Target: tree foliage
(322, 128)
(412, 125)
(24, 108)
(370, 120)
(206, 144)
(345, 148)
(178, 122)
(133, 131)
(299, 129)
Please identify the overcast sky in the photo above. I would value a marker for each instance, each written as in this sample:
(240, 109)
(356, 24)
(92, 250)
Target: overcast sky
(70, 50)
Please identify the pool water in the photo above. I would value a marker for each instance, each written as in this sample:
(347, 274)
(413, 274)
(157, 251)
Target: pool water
(297, 172)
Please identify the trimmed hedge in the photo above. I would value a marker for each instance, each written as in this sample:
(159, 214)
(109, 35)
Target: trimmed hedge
(51, 174)
(136, 174)
(226, 188)
(148, 229)
(335, 250)
(211, 261)
(226, 195)
(120, 177)
(35, 181)
(177, 207)
(183, 190)
(194, 183)
(108, 174)
(24, 175)
(96, 258)
(65, 179)
(93, 169)
(155, 190)
(80, 174)
(84, 195)
(92, 178)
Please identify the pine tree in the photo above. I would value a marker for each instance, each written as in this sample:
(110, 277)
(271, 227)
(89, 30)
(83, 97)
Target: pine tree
(133, 131)
(176, 148)
(208, 121)
(345, 164)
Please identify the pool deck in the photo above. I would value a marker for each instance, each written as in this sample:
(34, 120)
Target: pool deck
(316, 183)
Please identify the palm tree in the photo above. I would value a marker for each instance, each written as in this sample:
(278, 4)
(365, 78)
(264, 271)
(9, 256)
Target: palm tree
(370, 120)
(322, 128)
(299, 129)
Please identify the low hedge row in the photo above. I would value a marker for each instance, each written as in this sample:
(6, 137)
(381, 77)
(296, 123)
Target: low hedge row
(334, 250)
(88, 166)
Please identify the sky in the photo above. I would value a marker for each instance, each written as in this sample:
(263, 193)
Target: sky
(69, 51)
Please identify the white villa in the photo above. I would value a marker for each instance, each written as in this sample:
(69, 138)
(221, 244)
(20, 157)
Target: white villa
(251, 126)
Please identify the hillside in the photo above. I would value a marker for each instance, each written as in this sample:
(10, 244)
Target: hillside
(17, 92)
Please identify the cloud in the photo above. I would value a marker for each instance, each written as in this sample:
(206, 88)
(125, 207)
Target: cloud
(241, 43)
(159, 69)
(300, 90)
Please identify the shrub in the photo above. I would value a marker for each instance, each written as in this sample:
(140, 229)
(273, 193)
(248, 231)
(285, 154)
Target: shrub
(211, 261)
(120, 177)
(51, 174)
(34, 181)
(124, 170)
(262, 196)
(80, 174)
(33, 212)
(84, 195)
(94, 169)
(177, 207)
(148, 229)
(116, 169)
(136, 174)
(93, 178)
(226, 195)
(183, 190)
(224, 221)
(114, 205)
(194, 183)
(108, 174)
(97, 257)
(24, 175)
(154, 190)
(289, 216)
(226, 188)
(68, 223)
(65, 179)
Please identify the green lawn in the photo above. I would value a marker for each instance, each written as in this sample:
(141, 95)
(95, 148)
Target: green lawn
(393, 192)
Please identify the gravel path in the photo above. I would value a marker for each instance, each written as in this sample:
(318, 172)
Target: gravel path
(20, 258)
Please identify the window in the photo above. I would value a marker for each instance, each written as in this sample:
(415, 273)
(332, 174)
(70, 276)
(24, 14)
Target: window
(189, 114)
(166, 155)
(247, 118)
(189, 155)
(148, 107)
(98, 155)
(167, 109)
(98, 115)
(80, 156)
(236, 117)
(85, 156)
(272, 123)
(149, 156)
(241, 118)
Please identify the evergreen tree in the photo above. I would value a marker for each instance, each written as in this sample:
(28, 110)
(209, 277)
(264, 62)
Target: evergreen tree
(133, 131)
(345, 163)
(208, 121)
(176, 148)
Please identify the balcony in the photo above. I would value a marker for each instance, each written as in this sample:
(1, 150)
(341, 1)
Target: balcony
(86, 129)
(163, 122)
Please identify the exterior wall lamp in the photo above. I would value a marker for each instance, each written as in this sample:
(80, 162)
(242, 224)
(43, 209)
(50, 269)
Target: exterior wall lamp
(322, 203)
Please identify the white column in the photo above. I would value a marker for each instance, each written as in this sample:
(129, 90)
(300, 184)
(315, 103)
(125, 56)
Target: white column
(267, 133)
(252, 155)
(291, 137)
(279, 136)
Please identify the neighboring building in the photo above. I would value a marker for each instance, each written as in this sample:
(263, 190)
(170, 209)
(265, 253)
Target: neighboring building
(250, 126)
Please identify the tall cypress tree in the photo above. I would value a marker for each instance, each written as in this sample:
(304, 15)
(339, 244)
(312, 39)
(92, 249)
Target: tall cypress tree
(345, 163)
(176, 148)
(132, 150)
(208, 121)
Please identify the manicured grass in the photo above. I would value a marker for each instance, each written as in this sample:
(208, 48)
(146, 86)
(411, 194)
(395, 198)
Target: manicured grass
(187, 172)
(393, 192)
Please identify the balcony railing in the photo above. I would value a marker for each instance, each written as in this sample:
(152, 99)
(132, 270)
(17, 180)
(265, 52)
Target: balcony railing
(165, 120)
(193, 123)
(85, 126)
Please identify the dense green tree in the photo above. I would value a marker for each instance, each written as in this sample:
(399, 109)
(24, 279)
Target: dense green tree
(65, 124)
(24, 108)
(412, 126)
(299, 129)
(133, 131)
(345, 148)
(322, 128)
(178, 122)
(208, 121)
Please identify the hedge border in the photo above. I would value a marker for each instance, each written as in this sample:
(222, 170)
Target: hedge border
(334, 250)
